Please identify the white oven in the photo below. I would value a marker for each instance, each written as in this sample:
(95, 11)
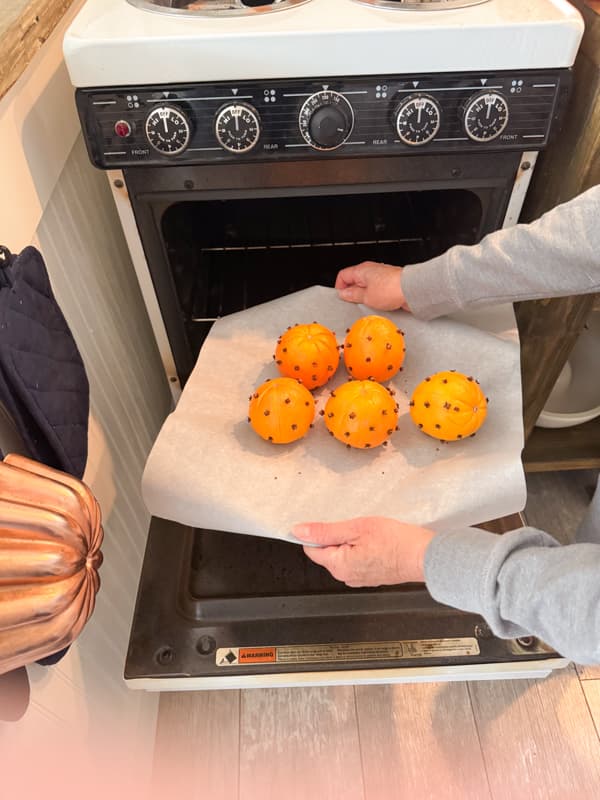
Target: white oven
(252, 154)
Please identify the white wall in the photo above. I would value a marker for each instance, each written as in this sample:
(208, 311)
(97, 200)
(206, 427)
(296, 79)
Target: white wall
(83, 724)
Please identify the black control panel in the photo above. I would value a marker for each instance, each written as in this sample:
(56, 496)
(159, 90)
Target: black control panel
(326, 118)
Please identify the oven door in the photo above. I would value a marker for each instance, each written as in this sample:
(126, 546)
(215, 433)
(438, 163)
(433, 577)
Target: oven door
(218, 610)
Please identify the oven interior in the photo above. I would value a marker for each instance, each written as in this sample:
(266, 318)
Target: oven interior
(205, 590)
(227, 255)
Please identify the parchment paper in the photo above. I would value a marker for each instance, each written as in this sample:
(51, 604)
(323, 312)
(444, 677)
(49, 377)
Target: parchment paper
(209, 469)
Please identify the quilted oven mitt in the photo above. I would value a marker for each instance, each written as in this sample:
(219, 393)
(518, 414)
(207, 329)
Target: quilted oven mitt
(43, 384)
(50, 538)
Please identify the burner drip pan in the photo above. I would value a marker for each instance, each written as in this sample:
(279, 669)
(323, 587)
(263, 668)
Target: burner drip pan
(422, 5)
(215, 8)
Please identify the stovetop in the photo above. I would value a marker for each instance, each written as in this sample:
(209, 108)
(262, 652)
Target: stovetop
(213, 8)
(116, 43)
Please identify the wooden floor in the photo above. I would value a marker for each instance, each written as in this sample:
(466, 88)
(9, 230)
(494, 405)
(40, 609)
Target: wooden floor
(513, 740)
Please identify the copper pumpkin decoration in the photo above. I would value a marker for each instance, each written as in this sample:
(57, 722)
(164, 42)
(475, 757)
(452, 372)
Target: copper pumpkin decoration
(50, 537)
(449, 406)
(361, 414)
(374, 348)
(308, 353)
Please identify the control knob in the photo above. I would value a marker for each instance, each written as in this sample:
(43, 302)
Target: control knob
(486, 116)
(237, 127)
(326, 120)
(418, 119)
(168, 130)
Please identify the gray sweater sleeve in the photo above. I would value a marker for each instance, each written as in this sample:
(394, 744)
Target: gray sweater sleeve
(557, 255)
(523, 582)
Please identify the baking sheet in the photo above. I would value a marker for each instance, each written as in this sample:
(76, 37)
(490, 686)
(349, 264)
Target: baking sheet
(209, 469)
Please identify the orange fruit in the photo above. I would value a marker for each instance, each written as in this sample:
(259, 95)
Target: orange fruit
(374, 348)
(449, 406)
(308, 353)
(361, 414)
(281, 410)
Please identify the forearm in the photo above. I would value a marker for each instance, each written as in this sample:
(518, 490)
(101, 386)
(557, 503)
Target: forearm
(555, 256)
(523, 582)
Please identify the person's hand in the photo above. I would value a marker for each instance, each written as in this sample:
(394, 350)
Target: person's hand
(376, 285)
(367, 551)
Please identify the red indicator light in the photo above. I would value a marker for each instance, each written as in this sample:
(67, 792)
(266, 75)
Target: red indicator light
(122, 129)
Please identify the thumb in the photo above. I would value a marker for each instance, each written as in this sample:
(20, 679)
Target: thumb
(352, 294)
(325, 534)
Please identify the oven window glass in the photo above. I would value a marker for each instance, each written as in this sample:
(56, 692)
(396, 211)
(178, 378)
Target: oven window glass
(227, 255)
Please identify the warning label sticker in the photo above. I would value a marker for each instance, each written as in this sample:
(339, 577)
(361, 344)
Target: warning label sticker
(354, 651)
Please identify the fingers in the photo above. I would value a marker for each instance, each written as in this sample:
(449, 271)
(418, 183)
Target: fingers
(352, 282)
(357, 275)
(326, 534)
(353, 294)
(376, 285)
(347, 277)
(335, 559)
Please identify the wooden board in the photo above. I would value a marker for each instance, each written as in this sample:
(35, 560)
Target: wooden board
(10, 11)
(24, 27)
(197, 746)
(538, 738)
(299, 744)
(549, 449)
(591, 690)
(588, 673)
(420, 741)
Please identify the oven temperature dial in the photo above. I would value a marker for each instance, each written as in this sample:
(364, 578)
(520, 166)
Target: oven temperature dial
(237, 127)
(326, 120)
(418, 120)
(168, 130)
(486, 116)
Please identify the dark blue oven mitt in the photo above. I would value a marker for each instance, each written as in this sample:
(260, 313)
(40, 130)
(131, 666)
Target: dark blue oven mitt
(43, 383)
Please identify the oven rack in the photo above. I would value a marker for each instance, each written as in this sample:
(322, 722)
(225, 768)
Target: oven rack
(228, 255)
(258, 259)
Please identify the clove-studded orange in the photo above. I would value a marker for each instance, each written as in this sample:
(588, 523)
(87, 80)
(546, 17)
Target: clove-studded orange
(281, 410)
(374, 348)
(361, 414)
(308, 353)
(449, 406)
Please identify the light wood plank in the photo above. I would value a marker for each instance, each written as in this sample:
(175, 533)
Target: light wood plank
(538, 738)
(591, 690)
(419, 742)
(197, 746)
(588, 673)
(299, 744)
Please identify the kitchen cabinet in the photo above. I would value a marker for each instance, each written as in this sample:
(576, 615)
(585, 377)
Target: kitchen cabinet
(550, 328)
